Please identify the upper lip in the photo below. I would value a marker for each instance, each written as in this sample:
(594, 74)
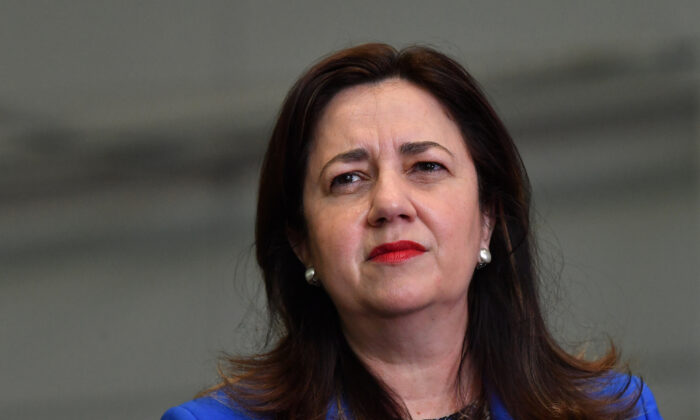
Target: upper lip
(395, 246)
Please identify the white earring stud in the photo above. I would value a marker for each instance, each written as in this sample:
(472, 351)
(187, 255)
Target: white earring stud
(484, 257)
(310, 275)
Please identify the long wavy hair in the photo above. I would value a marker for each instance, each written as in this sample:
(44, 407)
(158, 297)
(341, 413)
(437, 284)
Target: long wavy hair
(310, 364)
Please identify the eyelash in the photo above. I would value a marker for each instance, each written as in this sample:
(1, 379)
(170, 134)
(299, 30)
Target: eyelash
(434, 166)
(426, 166)
(342, 180)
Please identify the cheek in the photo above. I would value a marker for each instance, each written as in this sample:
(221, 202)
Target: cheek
(459, 252)
(336, 238)
(458, 232)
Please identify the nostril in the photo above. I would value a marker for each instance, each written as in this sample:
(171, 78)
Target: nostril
(390, 202)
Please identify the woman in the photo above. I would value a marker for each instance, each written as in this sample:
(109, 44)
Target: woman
(391, 186)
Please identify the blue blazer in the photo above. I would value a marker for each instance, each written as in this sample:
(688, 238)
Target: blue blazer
(218, 407)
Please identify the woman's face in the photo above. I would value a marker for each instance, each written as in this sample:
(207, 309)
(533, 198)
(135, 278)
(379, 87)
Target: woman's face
(391, 202)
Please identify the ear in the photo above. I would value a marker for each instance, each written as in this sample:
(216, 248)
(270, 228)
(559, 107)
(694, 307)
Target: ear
(298, 244)
(487, 223)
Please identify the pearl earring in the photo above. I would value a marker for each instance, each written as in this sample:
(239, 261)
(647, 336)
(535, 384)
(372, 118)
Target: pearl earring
(484, 257)
(310, 275)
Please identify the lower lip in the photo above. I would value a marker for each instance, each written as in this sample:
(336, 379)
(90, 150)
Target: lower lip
(396, 257)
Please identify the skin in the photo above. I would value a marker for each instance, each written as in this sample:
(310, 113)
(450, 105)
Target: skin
(387, 163)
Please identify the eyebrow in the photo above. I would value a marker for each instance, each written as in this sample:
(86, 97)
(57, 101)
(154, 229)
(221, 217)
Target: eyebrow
(360, 154)
(354, 155)
(420, 147)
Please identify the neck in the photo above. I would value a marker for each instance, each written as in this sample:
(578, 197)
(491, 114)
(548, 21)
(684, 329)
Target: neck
(418, 356)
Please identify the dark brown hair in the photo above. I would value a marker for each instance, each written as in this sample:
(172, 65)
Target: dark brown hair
(311, 364)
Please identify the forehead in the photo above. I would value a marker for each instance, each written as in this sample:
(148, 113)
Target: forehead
(381, 115)
(379, 98)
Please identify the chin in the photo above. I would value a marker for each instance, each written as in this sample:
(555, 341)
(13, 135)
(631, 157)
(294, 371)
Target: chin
(402, 301)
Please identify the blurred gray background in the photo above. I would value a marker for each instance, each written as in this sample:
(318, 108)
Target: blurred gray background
(130, 138)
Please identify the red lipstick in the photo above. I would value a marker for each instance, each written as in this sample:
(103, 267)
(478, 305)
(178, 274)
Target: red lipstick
(396, 252)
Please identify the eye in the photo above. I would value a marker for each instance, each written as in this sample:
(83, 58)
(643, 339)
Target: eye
(428, 167)
(345, 179)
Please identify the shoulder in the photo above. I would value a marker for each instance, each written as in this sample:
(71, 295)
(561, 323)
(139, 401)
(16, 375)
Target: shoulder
(628, 387)
(216, 406)
(632, 387)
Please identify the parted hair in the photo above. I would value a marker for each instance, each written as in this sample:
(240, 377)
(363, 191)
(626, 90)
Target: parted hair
(309, 364)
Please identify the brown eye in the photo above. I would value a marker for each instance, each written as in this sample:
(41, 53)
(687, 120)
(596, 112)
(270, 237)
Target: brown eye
(345, 179)
(428, 166)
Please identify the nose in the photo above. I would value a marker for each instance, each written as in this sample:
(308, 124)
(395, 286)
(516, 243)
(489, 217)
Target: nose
(390, 201)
